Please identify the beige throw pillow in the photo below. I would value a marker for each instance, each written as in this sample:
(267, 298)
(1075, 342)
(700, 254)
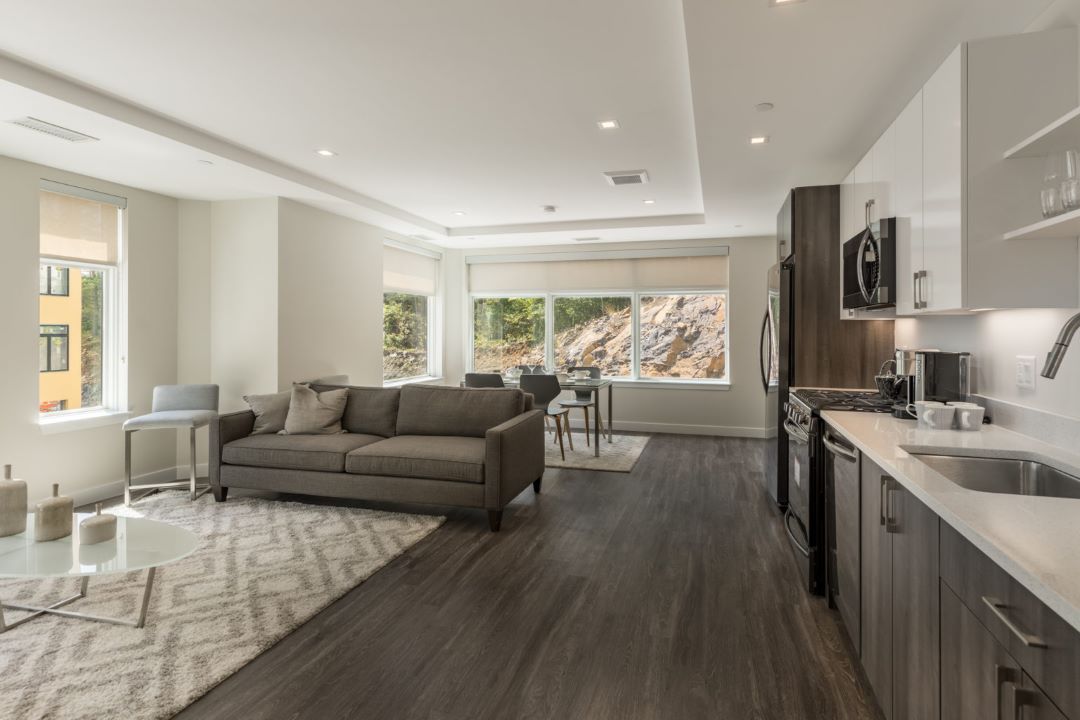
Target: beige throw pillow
(312, 413)
(270, 411)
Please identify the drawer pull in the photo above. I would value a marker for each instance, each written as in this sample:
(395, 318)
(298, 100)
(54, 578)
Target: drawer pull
(1003, 675)
(998, 608)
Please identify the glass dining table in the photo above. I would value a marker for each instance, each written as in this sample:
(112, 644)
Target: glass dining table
(593, 386)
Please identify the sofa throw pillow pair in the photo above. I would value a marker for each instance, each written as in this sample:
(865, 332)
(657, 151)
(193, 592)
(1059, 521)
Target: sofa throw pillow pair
(301, 411)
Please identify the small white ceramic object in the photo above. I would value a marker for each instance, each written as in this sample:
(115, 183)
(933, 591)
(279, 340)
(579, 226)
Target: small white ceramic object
(939, 416)
(969, 416)
(12, 504)
(53, 518)
(919, 408)
(563, 377)
(580, 374)
(97, 528)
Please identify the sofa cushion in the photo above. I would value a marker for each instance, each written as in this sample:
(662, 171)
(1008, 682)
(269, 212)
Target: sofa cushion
(270, 411)
(460, 459)
(315, 413)
(369, 410)
(295, 452)
(468, 412)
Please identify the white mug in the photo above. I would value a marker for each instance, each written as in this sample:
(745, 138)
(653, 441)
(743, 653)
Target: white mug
(969, 416)
(932, 414)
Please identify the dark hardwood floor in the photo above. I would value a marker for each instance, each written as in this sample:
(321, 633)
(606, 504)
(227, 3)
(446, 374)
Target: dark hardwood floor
(669, 592)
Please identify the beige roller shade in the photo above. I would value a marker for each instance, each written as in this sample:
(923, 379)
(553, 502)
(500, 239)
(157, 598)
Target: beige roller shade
(74, 229)
(408, 272)
(629, 274)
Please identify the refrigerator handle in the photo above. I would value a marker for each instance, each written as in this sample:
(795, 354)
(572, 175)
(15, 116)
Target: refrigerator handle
(764, 361)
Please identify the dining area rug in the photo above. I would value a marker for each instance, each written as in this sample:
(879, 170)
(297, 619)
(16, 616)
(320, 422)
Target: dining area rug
(620, 455)
(263, 568)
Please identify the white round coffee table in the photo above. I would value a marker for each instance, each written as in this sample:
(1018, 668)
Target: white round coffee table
(140, 544)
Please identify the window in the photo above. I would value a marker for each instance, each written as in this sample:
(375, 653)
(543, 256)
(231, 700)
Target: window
(53, 348)
(410, 281)
(594, 331)
(53, 281)
(657, 314)
(79, 310)
(405, 336)
(683, 336)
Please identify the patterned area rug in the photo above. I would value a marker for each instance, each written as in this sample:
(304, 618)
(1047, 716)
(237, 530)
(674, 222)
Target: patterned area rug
(618, 456)
(264, 568)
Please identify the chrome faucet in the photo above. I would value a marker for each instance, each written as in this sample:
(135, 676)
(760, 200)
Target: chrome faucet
(1061, 346)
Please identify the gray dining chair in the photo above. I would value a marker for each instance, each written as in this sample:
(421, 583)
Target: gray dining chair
(584, 400)
(484, 380)
(544, 389)
(174, 407)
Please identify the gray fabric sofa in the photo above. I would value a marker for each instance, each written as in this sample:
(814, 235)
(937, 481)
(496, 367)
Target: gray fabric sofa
(465, 447)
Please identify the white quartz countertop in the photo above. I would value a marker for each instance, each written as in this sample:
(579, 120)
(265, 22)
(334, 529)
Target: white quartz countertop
(1034, 539)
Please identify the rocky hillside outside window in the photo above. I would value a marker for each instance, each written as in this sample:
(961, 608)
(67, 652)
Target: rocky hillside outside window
(683, 336)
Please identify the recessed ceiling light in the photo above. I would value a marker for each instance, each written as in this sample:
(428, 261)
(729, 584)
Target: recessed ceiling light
(325, 153)
(612, 124)
(759, 139)
(459, 213)
(764, 107)
(649, 202)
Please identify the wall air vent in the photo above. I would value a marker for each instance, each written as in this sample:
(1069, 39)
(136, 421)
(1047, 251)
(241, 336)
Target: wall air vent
(627, 177)
(33, 123)
(587, 239)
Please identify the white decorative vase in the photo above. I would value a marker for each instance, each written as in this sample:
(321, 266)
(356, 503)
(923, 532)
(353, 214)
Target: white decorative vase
(54, 516)
(97, 528)
(12, 505)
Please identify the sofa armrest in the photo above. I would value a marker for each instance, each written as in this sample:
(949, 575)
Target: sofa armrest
(223, 430)
(514, 458)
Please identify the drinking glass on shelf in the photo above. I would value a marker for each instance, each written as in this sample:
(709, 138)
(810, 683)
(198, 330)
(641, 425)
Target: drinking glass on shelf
(1070, 181)
(1051, 201)
(1057, 171)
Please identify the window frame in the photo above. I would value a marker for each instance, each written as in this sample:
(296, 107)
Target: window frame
(49, 280)
(114, 321)
(430, 370)
(635, 330)
(66, 335)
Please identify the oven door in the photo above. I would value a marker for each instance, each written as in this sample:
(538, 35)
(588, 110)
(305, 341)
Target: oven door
(797, 515)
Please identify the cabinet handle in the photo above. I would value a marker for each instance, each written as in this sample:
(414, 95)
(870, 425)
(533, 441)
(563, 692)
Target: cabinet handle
(836, 448)
(890, 519)
(998, 608)
(915, 291)
(883, 497)
(1002, 675)
(1020, 698)
(869, 204)
(920, 302)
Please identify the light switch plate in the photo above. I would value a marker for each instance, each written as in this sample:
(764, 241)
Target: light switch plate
(1025, 372)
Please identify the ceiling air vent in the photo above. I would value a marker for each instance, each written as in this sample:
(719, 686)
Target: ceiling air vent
(33, 123)
(586, 239)
(627, 177)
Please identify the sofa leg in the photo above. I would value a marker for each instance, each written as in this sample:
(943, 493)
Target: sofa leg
(495, 520)
(220, 493)
(536, 484)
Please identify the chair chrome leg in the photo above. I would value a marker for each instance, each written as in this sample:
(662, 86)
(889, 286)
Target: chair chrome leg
(193, 495)
(127, 467)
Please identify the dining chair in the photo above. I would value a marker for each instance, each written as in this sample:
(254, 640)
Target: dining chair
(484, 380)
(584, 400)
(544, 389)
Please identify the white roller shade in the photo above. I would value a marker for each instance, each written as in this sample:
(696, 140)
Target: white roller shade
(75, 229)
(408, 272)
(645, 273)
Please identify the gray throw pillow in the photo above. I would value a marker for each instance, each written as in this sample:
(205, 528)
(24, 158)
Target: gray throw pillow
(270, 411)
(312, 413)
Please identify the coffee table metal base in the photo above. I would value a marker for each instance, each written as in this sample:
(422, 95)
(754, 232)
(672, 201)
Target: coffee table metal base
(54, 609)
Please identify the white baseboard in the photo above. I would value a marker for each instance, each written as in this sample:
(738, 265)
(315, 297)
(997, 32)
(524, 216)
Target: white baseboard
(107, 491)
(678, 429)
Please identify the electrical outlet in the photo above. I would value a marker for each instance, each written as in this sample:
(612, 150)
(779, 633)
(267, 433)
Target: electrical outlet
(1025, 372)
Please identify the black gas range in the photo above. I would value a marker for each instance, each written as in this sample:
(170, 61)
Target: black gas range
(805, 515)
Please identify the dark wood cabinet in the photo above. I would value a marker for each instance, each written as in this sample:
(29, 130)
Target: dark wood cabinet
(1031, 703)
(845, 543)
(900, 624)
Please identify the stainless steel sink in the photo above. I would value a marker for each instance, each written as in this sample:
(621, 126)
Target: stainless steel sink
(998, 475)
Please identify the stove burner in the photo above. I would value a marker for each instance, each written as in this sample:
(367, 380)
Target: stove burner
(849, 400)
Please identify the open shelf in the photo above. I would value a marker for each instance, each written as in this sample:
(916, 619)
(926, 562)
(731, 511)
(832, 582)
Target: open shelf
(1062, 134)
(1060, 226)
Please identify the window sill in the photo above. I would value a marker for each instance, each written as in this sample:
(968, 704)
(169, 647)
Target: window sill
(70, 422)
(715, 385)
(411, 381)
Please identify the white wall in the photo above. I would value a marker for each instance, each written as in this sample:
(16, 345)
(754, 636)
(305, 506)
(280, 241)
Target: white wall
(329, 296)
(193, 309)
(84, 459)
(738, 411)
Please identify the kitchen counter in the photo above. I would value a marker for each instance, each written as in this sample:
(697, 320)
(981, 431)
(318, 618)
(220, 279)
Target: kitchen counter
(1034, 539)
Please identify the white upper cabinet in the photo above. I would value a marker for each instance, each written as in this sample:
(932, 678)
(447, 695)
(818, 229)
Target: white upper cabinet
(941, 170)
(940, 288)
(908, 204)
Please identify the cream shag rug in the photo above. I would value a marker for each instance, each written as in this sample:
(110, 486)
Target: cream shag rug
(618, 456)
(263, 568)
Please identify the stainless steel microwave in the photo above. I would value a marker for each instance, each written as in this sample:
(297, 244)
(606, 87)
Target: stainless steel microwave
(870, 267)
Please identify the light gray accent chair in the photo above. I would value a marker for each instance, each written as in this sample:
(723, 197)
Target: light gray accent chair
(174, 407)
(544, 389)
(464, 447)
(584, 400)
